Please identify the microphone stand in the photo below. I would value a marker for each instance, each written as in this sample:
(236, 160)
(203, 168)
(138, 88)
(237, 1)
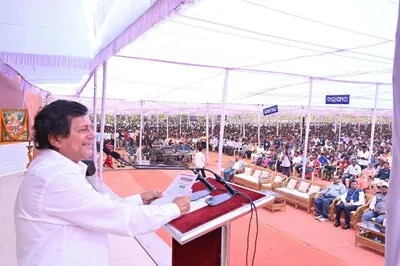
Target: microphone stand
(213, 201)
(231, 192)
(195, 196)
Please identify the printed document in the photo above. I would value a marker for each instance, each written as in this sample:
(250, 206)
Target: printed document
(181, 186)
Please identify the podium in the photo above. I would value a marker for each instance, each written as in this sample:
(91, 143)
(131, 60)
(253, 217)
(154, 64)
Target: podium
(202, 237)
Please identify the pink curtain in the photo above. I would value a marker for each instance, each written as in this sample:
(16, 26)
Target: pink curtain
(11, 92)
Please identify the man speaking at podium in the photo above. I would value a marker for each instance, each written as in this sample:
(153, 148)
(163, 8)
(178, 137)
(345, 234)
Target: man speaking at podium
(60, 218)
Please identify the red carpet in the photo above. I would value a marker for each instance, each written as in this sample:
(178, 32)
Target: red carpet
(285, 238)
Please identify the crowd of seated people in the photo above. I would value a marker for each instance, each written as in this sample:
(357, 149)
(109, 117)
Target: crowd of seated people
(326, 156)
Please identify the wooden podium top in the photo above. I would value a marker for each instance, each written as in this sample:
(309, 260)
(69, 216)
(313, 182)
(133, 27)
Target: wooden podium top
(195, 224)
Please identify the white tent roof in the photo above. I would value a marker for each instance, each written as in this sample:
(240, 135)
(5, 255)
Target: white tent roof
(271, 47)
(58, 42)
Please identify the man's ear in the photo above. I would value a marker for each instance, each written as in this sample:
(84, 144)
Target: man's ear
(55, 141)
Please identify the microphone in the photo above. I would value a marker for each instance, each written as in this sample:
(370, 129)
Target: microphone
(195, 196)
(231, 192)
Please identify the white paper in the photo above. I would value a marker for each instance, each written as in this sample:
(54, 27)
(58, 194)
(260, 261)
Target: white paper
(181, 186)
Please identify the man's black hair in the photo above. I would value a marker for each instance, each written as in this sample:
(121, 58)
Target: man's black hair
(55, 120)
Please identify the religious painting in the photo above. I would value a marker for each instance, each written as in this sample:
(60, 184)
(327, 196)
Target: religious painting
(14, 125)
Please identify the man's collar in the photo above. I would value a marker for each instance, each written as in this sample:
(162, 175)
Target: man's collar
(61, 158)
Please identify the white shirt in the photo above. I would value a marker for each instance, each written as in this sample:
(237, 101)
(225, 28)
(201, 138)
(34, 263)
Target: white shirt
(60, 219)
(361, 154)
(199, 160)
(361, 198)
(237, 165)
(297, 159)
(353, 170)
(285, 161)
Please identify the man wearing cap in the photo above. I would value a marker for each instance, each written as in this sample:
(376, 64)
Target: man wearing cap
(377, 207)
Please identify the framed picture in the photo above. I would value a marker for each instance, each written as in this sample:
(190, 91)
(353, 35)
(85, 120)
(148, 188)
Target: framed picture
(14, 125)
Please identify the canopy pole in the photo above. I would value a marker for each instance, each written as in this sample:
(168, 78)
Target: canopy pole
(259, 125)
(158, 123)
(95, 117)
(103, 118)
(115, 129)
(207, 136)
(180, 126)
(303, 174)
(244, 128)
(141, 133)
(277, 128)
(340, 125)
(222, 127)
(335, 127)
(167, 126)
(212, 124)
(301, 128)
(371, 144)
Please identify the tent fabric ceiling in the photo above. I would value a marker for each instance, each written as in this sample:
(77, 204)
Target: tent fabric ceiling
(260, 41)
(59, 41)
(271, 47)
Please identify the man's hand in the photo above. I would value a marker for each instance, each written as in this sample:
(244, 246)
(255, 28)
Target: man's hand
(183, 204)
(150, 195)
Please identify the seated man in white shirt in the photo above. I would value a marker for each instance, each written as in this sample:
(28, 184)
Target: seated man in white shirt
(362, 156)
(351, 172)
(233, 169)
(60, 218)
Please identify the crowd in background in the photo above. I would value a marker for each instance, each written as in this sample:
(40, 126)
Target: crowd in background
(277, 145)
(345, 158)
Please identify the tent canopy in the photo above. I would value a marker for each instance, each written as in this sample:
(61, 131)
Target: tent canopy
(272, 48)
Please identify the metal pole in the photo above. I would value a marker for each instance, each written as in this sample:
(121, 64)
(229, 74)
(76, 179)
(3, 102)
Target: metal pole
(95, 117)
(222, 126)
(167, 126)
(301, 128)
(207, 136)
(277, 128)
(340, 125)
(259, 125)
(371, 144)
(103, 118)
(115, 129)
(303, 174)
(158, 122)
(212, 124)
(244, 128)
(141, 132)
(180, 126)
